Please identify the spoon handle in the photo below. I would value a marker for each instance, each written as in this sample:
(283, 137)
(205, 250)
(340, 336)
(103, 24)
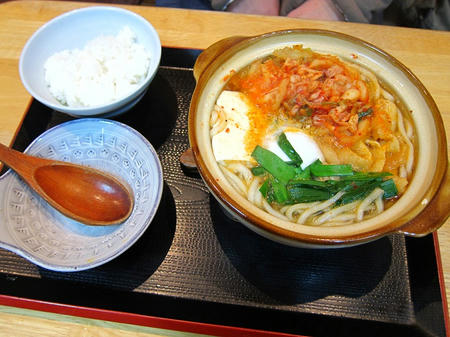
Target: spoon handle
(22, 164)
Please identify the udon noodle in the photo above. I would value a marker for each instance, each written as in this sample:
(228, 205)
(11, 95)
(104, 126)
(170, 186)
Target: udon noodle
(353, 119)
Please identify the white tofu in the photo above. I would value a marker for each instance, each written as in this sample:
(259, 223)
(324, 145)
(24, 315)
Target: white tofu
(229, 144)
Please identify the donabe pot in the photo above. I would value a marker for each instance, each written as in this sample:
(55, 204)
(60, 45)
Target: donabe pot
(423, 207)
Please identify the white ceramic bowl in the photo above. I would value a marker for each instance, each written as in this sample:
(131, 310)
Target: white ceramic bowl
(73, 30)
(30, 227)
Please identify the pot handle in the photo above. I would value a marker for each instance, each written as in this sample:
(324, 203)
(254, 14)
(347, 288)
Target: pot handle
(435, 214)
(187, 160)
(210, 53)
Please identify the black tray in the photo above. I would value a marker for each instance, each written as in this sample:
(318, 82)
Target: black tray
(195, 264)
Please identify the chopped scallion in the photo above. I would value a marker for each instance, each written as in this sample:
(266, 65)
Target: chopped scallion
(288, 149)
(273, 164)
(321, 170)
(304, 194)
(390, 190)
(280, 193)
(359, 192)
(258, 170)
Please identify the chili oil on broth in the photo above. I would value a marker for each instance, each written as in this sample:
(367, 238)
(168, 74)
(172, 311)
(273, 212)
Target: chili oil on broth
(343, 113)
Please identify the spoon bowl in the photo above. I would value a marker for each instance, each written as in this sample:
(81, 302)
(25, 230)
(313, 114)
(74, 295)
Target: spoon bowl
(84, 194)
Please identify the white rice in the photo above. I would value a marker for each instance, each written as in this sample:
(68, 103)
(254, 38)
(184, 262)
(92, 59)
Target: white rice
(105, 70)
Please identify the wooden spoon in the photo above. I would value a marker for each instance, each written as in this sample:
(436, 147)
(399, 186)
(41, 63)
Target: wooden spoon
(79, 192)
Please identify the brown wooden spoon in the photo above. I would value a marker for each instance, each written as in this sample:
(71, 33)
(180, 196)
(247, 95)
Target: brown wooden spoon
(79, 192)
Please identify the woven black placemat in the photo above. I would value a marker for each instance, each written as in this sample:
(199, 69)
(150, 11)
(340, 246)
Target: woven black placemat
(194, 263)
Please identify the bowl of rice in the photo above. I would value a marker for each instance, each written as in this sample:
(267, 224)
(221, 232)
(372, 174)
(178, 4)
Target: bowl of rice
(94, 61)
